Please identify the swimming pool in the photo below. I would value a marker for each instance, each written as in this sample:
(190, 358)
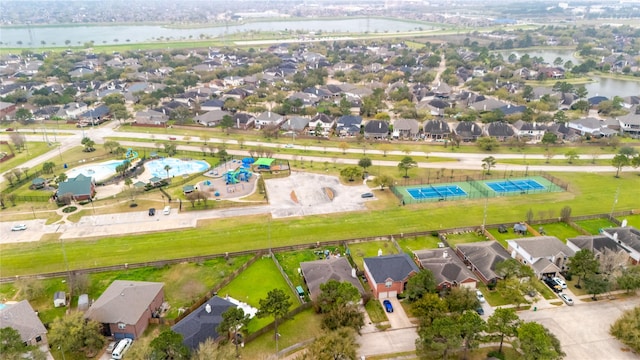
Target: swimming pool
(99, 172)
(177, 167)
(440, 192)
(521, 185)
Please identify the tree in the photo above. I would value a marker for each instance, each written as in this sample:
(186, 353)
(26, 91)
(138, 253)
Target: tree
(629, 279)
(487, 143)
(619, 161)
(11, 343)
(420, 284)
(226, 123)
(443, 335)
(350, 173)
(73, 333)
(88, 145)
(560, 116)
(549, 138)
(513, 268)
(111, 145)
(338, 344)
(344, 146)
(168, 346)
(583, 263)
(9, 175)
(170, 149)
(276, 304)
(538, 343)
(406, 164)
(527, 93)
(233, 319)
(23, 115)
(124, 166)
(364, 163)
(488, 163)
(211, 350)
(596, 284)
(167, 168)
(504, 322)
(627, 328)
(460, 299)
(428, 308)
(471, 325)
(335, 294)
(571, 156)
(18, 140)
(382, 181)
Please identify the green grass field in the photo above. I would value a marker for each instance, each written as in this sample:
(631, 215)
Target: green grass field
(502, 238)
(632, 220)
(359, 251)
(34, 149)
(410, 244)
(560, 230)
(253, 284)
(464, 238)
(594, 226)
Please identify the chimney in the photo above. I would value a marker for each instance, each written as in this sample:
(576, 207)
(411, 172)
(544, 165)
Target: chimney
(445, 254)
(207, 308)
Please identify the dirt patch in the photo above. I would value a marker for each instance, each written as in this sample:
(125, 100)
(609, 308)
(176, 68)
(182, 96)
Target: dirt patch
(330, 193)
(294, 198)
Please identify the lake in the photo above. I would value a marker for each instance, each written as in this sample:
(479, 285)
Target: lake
(145, 33)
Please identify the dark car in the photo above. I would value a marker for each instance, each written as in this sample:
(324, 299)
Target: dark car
(552, 284)
(152, 211)
(480, 310)
(388, 306)
(367, 195)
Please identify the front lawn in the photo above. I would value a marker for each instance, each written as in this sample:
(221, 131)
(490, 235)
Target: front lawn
(253, 284)
(375, 311)
(410, 244)
(361, 250)
(493, 297)
(561, 230)
(593, 226)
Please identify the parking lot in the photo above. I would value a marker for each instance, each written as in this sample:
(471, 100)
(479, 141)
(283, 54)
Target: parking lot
(583, 329)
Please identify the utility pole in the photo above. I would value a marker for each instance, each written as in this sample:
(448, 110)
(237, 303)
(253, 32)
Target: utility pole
(615, 201)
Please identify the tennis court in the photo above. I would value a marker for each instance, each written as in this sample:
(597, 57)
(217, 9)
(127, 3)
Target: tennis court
(438, 191)
(516, 185)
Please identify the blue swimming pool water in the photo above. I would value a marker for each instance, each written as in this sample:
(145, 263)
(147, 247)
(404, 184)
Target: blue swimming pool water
(178, 167)
(514, 185)
(431, 192)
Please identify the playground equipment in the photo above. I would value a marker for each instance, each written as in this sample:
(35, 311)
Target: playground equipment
(131, 155)
(240, 174)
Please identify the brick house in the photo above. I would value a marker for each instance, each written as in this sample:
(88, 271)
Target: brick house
(388, 275)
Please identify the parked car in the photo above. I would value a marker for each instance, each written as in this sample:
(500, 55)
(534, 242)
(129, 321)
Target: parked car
(560, 282)
(388, 306)
(552, 284)
(152, 211)
(367, 195)
(480, 310)
(19, 227)
(111, 346)
(479, 296)
(567, 300)
(289, 146)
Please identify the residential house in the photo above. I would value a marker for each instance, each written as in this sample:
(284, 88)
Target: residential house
(436, 129)
(442, 90)
(630, 123)
(94, 116)
(546, 255)
(591, 127)
(202, 323)
(243, 121)
(72, 110)
(388, 275)
(349, 125)
(80, 188)
(126, 307)
(435, 106)
(233, 81)
(376, 129)
(509, 109)
(211, 118)
(316, 273)
(22, 318)
(628, 238)
(151, 117)
(296, 124)
(448, 270)
(598, 245)
(211, 105)
(322, 122)
(468, 131)
(487, 104)
(500, 130)
(483, 257)
(529, 130)
(406, 129)
(6, 109)
(267, 119)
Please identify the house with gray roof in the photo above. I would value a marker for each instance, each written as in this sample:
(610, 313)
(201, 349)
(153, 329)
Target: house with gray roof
(349, 125)
(388, 275)
(151, 118)
(529, 130)
(22, 318)
(211, 118)
(597, 244)
(243, 121)
(406, 129)
(436, 129)
(591, 126)
(468, 131)
(630, 123)
(202, 323)
(80, 187)
(267, 119)
(628, 238)
(318, 272)
(483, 257)
(376, 129)
(324, 121)
(126, 307)
(447, 268)
(546, 255)
(296, 123)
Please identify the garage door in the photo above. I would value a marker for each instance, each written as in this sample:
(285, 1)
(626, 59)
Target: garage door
(387, 294)
(469, 285)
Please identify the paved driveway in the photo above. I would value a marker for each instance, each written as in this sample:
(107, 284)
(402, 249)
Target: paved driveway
(387, 342)
(583, 329)
(398, 319)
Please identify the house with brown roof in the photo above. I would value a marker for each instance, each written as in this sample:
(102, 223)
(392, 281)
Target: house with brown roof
(318, 272)
(483, 257)
(447, 268)
(126, 307)
(22, 318)
(546, 255)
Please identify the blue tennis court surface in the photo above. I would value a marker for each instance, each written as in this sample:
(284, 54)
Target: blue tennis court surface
(508, 186)
(440, 192)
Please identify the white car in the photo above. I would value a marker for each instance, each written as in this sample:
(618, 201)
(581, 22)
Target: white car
(480, 296)
(567, 300)
(289, 146)
(560, 282)
(19, 227)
